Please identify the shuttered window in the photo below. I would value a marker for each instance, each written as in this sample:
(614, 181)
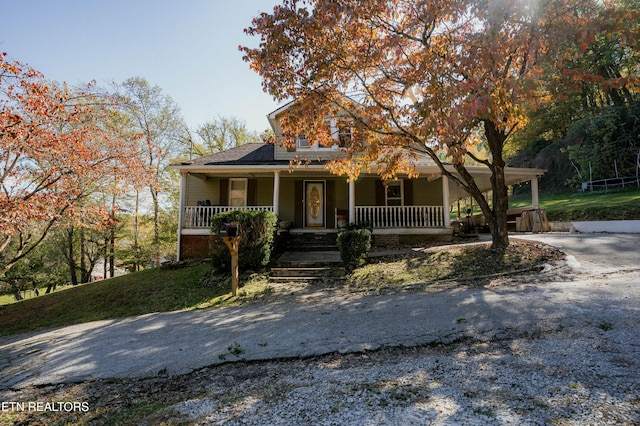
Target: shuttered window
(238, 192)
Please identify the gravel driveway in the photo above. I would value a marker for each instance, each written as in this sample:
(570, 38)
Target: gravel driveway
(559, 347)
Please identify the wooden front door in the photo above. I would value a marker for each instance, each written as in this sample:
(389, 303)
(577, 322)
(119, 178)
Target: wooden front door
(314, 204)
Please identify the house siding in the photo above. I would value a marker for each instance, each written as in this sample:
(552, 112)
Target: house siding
(281, 152)
(427, 193)
(264, 188)
(287, 194)
(260, 191)
(366, 191)
(417, 192)
(200, 189)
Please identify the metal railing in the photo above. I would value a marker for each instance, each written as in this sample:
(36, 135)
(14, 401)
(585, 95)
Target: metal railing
(611, 183)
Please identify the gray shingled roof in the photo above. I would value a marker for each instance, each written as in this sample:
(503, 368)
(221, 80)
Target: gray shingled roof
(243, 155)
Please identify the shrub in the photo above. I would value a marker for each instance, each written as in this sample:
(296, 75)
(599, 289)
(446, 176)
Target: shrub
(257, 231)
(354, 246)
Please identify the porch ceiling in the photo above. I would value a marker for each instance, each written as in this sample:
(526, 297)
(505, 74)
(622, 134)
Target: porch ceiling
(482, 177)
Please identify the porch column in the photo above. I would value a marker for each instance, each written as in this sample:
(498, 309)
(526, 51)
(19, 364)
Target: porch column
(352, 201)
(276, 192)
(183, 194)
(534, 193)
(445, 202)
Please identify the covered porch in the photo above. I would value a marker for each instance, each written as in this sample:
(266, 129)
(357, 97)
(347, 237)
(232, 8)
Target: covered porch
(308, 200)
(313, 200)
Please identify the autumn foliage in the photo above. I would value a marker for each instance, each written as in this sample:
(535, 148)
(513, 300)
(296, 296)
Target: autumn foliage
(430, 77)
(55, 151)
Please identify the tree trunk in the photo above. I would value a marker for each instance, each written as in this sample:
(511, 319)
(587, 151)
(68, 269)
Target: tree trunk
(85, 272)
(112, 252)
(499, 234)
(499, 231)
(105, 251)
(156, 226)
(136, 235)
(70, 260)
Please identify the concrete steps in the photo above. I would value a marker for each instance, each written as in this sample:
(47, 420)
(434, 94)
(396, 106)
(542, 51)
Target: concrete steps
(310, 274)
(308, 267)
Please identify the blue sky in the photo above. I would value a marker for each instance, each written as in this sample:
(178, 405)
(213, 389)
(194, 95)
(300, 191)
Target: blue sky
(187, 47)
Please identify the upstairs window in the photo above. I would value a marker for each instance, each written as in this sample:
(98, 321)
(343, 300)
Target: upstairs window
(302, 141)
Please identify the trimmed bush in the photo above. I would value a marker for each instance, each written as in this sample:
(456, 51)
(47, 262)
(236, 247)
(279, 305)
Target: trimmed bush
(354, 247)
(257, 231)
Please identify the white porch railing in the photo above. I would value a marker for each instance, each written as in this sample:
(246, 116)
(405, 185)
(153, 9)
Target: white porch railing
(200, 216)
(401, 217)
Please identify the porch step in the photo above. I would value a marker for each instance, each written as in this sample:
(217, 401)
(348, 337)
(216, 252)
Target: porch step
(309, 275)
(309, 267)
(329, 271)
(312, 242)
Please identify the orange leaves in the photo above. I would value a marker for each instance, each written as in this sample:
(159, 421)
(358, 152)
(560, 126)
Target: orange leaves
(431, 71)
(55, 150)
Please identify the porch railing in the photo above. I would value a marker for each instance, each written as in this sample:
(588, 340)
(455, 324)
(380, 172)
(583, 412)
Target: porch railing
(200, 216)
(401, 217)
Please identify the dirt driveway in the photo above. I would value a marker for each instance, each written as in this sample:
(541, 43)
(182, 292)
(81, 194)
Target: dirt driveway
(558, 347)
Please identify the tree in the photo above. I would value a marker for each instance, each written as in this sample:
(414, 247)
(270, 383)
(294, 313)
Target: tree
(428, 76)
(596, 124)
(223, 133)
(44, 268)
(54, 152)
(156, 117)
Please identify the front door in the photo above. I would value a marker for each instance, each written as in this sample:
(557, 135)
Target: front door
(314, 204)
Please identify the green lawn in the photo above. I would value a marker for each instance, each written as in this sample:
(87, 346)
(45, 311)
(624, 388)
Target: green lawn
(152, 290)
(620, 205)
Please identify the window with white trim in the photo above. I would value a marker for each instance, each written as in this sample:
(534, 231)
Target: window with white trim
(302, 141)
(238, 192)
(394, 194)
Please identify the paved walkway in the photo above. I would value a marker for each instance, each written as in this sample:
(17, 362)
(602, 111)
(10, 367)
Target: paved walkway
(180, 342)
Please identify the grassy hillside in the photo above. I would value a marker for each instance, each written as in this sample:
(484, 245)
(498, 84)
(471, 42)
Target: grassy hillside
(620, 205)
(157, 290)
(152, 290)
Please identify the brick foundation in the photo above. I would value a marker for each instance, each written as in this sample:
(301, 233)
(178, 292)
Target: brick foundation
(386, 240)
(195, 246)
